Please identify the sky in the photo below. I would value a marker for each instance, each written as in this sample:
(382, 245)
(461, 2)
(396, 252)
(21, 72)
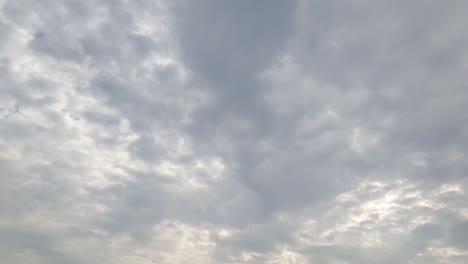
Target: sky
(233, 131)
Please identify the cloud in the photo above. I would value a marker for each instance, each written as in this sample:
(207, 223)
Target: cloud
(233, 132)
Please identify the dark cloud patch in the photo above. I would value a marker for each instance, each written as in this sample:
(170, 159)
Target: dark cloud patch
(232, 40)
(456, 235)
(227, 45)
(41, 245)
(147, 149)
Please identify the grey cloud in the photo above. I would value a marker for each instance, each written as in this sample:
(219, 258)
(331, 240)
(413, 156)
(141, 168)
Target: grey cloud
(233, 132)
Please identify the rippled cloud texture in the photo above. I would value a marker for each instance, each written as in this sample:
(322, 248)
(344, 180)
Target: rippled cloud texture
(210, 131)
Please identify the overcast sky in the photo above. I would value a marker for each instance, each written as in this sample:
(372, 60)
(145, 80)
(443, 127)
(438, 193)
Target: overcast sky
(233, 131)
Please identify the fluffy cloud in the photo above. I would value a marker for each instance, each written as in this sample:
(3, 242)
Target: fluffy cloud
(233, 132)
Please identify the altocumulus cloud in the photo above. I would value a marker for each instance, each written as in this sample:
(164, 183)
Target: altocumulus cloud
(208, 131)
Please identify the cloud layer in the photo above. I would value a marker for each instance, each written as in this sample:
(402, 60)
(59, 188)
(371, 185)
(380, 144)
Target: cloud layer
(233, 132)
